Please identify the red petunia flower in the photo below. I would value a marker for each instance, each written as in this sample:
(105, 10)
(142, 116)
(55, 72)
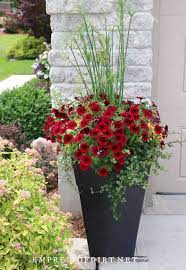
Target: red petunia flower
(62, 130)
(145, 137)
(85, 131)
(88, 117)
(83, 167)
(94, 133)
(86, 160)
(134, 109)
(118, 167)
(101, 127)
(118, 155)
(116, 148)
(94, 106)
(55, 130)
(128, 122)
(71, 125)
(84, 123)
(119, 132)
(122, 160)
(147, 113)
(108, 113)
(158, 129)
(81, 110)
(68, 138)
(128, 115)
(112, 108)
(59, 114)
(79, 137)
(49, 120)
(78, 154)
(103, 172)
(106, 121)
(144, 125)
(136, 117)
(107, 133)
(102, 141)
(59, 139)
(95, 150)
(118, 124)
(135, 129)
(121, 139)
(84, 147)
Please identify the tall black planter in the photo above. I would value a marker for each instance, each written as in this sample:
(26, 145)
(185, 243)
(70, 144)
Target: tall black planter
(106, 236)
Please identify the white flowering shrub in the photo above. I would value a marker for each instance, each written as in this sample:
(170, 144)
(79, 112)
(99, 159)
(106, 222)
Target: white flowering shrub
(41, 66)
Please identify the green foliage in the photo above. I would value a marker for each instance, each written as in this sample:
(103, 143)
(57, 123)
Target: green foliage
(15, 3)
(9, 41)
(32, 225)
(26, 105)
(134, 173)
(29, 48)
(10, 24)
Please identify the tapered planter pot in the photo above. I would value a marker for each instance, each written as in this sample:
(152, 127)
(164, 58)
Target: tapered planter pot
(106, 236)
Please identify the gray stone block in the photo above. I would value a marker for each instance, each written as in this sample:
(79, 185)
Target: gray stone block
(132, 90)
(140, 39)
(139, 57)
(139, 74)
(140, 5)
(78, 7)
(71, 22)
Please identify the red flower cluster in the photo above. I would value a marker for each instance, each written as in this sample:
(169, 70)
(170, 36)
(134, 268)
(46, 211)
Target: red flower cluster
(101, 134)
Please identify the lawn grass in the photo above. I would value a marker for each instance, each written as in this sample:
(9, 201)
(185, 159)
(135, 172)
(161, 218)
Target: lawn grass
(8, 68)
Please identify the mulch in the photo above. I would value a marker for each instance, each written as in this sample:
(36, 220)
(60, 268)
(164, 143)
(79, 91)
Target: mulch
(78, 228)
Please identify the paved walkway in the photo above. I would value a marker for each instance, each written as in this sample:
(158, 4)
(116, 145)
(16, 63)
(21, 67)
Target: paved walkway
(14, 81)
(161, 238)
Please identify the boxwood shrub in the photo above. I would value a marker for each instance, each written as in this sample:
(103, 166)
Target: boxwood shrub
(28, 106)
(28, 48)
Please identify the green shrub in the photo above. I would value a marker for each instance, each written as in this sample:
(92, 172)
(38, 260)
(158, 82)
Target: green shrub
(28, 48)
(32, 225)
(27, 106)
(10, 24)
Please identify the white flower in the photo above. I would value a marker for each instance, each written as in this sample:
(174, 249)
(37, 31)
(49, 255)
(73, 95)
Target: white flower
(3, 188)
(39, 73)
(35, 65)
(24, 194)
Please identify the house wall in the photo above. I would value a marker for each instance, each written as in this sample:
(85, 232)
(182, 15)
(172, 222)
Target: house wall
(65, 19)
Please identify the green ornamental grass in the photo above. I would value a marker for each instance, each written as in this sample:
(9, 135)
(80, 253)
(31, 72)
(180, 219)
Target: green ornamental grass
(98, 50)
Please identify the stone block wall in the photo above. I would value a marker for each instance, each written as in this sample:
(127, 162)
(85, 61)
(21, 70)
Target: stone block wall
(65, 19)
